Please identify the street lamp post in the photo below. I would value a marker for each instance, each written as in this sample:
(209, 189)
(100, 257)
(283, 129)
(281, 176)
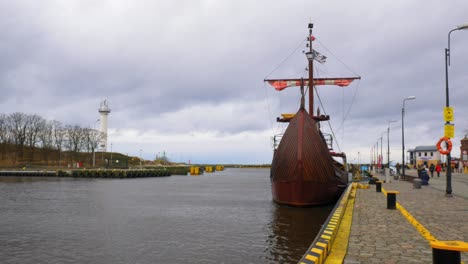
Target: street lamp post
(403, 133)
(448, 190)
(359, 162)
(381, 149)
(388, 142)
(377, 154)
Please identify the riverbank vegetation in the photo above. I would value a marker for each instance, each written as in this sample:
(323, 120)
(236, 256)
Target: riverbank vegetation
(30, 140)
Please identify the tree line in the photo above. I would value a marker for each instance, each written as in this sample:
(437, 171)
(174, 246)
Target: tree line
(31, 138)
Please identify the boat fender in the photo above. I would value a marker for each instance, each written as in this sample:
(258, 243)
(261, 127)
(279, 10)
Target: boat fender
(449, 145)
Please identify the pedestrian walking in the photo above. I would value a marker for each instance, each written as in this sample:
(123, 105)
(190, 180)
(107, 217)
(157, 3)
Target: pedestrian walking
(438, 169)
(398, 168)
(420, 168)
(431, 169)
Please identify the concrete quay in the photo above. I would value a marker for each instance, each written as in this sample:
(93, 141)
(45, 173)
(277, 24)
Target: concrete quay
(380, 235)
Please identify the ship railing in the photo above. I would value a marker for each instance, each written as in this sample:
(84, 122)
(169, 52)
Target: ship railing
(276, 139)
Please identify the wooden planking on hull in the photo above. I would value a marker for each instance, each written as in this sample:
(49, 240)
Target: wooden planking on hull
(302, 170)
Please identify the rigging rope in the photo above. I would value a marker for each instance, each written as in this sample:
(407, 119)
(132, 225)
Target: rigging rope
(287, 57)
(328, 121)
(266, 94)
(352, 102)
(347, 67)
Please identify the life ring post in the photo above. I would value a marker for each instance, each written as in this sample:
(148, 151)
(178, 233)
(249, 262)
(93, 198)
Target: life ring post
(449, 145)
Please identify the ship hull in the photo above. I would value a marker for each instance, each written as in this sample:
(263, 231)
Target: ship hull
(303, 194)
(303, 173)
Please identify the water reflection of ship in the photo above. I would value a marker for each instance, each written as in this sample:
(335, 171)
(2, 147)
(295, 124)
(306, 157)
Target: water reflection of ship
(292, 230)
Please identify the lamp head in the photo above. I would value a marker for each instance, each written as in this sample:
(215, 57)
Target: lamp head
(410, 97)
(464, 26)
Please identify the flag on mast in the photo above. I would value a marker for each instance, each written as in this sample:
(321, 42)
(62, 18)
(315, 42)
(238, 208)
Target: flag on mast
(319, 57)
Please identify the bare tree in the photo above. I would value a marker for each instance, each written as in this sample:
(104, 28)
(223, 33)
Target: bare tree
(21, 132)
(46, 139)
(3, 135)
(75, 139)
(34, 124)
(17, 124)
(59, 135)
(92, 139)
(3, 128)
(46, 136)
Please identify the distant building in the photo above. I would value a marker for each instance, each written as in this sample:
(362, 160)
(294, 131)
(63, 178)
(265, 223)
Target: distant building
(464, 149)
(425, 155)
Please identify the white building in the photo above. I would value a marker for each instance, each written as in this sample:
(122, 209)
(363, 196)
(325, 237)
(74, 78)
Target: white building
(425, 155)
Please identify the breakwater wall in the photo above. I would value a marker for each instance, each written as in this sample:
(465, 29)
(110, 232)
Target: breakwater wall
(114, 173)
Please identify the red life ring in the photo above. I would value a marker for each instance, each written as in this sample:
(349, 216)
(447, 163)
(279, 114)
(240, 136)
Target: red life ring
(449, 145)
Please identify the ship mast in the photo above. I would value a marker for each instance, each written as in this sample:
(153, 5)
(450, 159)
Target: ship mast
(281, 84)
(310, 57)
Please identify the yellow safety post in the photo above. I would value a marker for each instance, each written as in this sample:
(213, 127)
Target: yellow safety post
(447, 251)
(378, 186)
(391, 199)
(209, 168)
(194, 170)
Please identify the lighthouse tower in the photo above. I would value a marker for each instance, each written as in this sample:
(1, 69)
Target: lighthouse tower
(104, 110)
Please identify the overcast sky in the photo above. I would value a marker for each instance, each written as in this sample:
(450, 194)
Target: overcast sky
(186, 77)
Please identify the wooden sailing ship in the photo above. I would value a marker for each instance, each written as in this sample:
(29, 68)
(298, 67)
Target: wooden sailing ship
(303, 170)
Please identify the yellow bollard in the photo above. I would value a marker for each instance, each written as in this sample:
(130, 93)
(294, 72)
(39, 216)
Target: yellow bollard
(194, 170)
(448, 251)
(465, 171)
(209, 168)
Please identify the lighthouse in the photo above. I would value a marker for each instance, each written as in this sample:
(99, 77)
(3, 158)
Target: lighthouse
(104, 110)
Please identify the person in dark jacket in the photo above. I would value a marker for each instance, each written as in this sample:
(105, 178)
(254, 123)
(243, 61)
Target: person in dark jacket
(431, 169)
(419, 168)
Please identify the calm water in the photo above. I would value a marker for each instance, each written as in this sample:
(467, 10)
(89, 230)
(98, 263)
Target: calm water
(224, 217)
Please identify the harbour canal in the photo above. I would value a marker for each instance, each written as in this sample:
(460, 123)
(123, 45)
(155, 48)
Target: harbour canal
(224, 217)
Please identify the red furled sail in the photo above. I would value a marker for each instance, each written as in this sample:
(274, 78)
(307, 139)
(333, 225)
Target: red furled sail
(281, 84)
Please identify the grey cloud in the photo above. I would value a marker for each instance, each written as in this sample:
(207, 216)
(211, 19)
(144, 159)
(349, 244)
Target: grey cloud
(151, 59)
